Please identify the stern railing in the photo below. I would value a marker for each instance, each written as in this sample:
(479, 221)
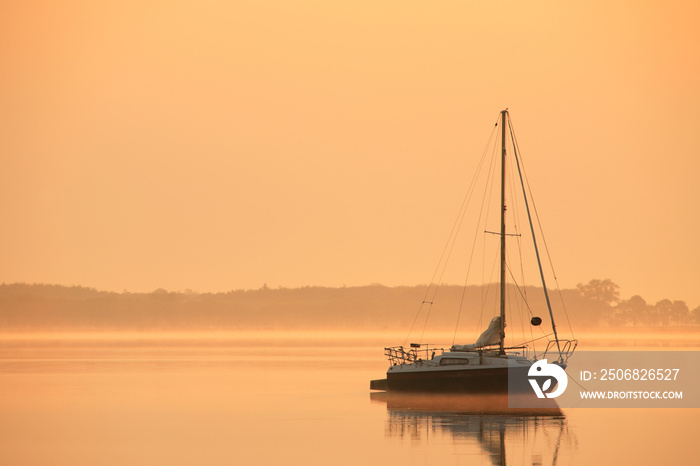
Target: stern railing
(398, 355)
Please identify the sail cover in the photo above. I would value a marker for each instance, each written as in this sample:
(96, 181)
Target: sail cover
(490, 336)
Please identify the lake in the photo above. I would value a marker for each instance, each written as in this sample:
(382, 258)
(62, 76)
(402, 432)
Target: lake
(281, 398)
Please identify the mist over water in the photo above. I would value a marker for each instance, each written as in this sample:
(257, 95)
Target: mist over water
(287, 397)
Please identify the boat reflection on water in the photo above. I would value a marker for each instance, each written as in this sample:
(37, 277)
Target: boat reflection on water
(505, 436)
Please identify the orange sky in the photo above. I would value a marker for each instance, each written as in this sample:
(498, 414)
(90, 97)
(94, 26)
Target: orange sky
(223, 145)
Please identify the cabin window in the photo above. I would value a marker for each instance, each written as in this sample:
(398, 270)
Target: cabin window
(453, 361)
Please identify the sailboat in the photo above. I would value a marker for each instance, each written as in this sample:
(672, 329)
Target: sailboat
(486, 365)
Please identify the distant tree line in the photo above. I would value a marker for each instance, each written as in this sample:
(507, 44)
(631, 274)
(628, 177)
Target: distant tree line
(593, 305)
(636, 311)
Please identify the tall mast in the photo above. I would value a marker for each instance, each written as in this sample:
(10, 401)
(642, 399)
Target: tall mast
(502, 336)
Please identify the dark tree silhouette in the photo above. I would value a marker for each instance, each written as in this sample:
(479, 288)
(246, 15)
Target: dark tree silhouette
(634, 310)
(600, 290)
(680, 314)
(695, 315)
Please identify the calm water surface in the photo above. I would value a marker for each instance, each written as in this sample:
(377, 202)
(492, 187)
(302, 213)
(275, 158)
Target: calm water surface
(214, 399)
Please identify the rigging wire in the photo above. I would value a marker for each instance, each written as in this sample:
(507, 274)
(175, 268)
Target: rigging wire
(476, 236)
(544, 335)
(534, 240)
(522, 294)
(488, 191)
(539, 224)
(461, 217)
(449, 245)
(516, 219)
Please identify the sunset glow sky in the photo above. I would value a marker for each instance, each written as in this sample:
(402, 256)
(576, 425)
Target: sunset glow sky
(216, 145)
